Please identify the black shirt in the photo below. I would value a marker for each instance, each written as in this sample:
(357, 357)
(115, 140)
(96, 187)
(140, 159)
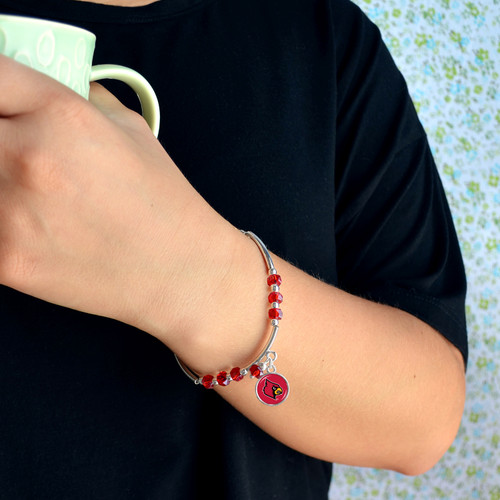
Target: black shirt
(291, 120)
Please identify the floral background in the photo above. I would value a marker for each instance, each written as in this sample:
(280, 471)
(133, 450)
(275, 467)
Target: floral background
(449, 52)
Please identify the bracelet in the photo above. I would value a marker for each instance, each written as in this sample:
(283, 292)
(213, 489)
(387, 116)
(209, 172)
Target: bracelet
(272, 388)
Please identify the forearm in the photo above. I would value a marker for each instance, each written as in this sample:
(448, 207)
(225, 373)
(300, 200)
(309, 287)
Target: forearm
(370, 385)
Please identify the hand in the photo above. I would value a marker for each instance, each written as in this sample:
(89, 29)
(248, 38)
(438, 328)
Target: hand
(94, 215)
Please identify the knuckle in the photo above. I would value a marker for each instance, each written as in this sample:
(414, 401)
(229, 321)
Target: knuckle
(33, 170)
(70, 110)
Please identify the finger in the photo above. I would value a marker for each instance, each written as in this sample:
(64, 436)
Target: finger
(22, 89)
(113, 109)
(104, 100)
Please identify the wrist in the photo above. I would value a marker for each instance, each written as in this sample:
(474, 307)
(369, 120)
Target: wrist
(207, 300)
(228, 323)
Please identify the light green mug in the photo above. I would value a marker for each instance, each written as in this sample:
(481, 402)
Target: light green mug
(65, 53)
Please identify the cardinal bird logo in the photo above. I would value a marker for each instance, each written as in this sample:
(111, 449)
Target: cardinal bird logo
(272, 389)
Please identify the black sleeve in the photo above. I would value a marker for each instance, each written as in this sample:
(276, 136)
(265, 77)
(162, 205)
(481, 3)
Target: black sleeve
(396, 240)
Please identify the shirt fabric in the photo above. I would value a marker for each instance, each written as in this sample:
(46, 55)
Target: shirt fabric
(292, 121)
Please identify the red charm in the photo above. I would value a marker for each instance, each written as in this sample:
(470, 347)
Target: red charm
(222, 379)
(236, 374)
(256, 371)
(208, 381)
(275, 313)
(272, 389)
(274, 279)
(275, 297)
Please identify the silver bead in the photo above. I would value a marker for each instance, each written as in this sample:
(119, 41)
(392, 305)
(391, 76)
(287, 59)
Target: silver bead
(275, 322)
(275, 288)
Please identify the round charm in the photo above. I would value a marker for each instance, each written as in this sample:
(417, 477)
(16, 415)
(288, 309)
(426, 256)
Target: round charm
(272, 389)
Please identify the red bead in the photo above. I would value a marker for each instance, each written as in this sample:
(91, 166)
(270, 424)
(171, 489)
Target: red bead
(222, 379)
(256, 371)
(236, 374)
(274, 279)
(208, 381)
(275, 313)
(275, 297)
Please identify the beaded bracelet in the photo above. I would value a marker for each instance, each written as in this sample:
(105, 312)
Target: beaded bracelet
(271, 388)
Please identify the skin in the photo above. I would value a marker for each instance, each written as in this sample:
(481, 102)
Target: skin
(87, 192)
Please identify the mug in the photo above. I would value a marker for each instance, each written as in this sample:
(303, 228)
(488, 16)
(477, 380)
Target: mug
(65, 53)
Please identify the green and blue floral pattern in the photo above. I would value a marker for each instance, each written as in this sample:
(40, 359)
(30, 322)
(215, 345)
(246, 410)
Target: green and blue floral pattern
(449, 52)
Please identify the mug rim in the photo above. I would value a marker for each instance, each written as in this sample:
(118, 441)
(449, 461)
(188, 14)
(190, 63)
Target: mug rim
(46, 22)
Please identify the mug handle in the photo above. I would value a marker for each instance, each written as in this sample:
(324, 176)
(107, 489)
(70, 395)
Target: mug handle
(145, 93)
